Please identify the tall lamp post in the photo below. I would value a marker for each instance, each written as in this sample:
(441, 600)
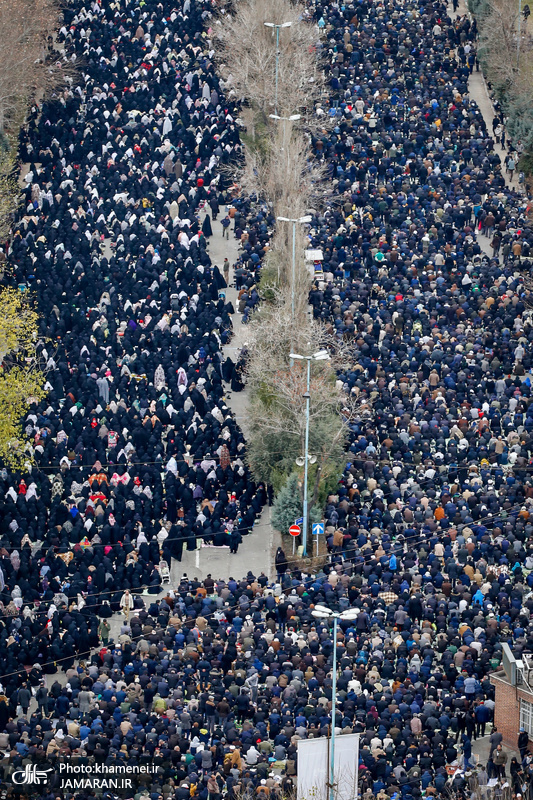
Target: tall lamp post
(277, 27)
(323, 612)
(302, 220)
(322, 355)
(519, 37)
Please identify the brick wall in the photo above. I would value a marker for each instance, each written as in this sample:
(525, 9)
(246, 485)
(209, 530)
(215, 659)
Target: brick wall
(507, 711)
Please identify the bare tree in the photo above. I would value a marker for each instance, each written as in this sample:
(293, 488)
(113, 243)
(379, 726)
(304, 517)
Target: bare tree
(498, 34)
(277, 397)
(267, 51)
(505, 49)
(276, 69)
(246, 51)
(273, 336)
(278, 167)
(29, 70)
(26, 69)
(276, 438)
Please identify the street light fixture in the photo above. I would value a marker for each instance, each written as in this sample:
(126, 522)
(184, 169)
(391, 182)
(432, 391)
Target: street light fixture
(292, 118)
(323, 612)
(277, 27)
(321, 355)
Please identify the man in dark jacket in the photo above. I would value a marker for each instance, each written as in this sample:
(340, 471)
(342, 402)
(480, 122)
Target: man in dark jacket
(523, 742)
(24, 698)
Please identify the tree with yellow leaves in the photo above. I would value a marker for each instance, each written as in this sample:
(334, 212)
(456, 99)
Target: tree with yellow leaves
(21, 379)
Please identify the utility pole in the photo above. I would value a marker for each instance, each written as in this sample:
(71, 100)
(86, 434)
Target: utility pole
(277, 27)
(322, 355)
(323, 612)
(303, 220)
(519, 34)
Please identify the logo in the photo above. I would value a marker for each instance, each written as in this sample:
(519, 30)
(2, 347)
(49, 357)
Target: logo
(30, 775)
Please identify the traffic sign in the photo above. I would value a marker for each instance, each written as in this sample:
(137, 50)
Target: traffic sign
(299, 521)
(294, 530)
(318, 528)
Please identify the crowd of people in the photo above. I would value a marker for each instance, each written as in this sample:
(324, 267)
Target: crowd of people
(215, 684)
(136, 454)
(434, 507)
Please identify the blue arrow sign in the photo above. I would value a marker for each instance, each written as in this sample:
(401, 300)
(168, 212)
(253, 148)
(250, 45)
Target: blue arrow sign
(299, 521)
(318, 528)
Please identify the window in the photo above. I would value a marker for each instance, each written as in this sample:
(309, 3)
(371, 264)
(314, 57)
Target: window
(526, 716)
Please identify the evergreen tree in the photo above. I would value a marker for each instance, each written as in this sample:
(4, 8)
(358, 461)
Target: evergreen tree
(288, 505)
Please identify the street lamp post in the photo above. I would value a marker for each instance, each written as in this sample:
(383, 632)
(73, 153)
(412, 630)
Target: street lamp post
(322, 355)
(277, 27)
(303, 220)
(291, 118)
(519, 34)
(323, 612)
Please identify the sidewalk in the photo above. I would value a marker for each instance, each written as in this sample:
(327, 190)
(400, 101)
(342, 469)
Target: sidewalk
(481, 749)
(478, 91)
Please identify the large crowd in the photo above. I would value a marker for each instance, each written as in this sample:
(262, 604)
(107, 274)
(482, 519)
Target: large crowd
(136, 455)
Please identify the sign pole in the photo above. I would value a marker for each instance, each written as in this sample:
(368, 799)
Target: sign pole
(317, 529)
(294, 531)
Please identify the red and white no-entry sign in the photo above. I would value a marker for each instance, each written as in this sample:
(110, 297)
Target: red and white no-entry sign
(294, 530)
